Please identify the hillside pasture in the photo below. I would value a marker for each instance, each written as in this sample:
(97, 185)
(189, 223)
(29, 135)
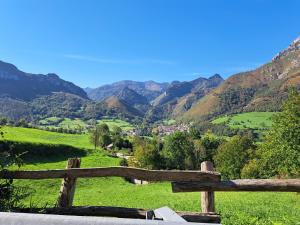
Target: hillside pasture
(169, 122)
(235, 208)
(255, 120)
(116, 122)
(47, 137)
(78, 124)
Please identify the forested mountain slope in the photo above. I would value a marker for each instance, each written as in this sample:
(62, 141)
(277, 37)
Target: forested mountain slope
(262, 89)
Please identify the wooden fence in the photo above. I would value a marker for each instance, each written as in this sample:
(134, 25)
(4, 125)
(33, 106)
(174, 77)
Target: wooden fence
(205, 181)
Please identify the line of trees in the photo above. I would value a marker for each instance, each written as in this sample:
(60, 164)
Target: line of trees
(177, 151)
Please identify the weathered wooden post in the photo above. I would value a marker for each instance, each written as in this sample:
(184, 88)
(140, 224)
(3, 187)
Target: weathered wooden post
(207, 197)
(67, 189)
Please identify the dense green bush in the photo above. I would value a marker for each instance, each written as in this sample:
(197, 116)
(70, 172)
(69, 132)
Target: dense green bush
(232, 156)
(178, 151)
(147, 153)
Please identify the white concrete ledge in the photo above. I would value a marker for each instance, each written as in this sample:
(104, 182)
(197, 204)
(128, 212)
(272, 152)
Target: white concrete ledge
(45, 219)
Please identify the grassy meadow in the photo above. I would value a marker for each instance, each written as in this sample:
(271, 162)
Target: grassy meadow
(73, 124)
(255, 120)
(235, 208)
(47, 137)
(117, 122)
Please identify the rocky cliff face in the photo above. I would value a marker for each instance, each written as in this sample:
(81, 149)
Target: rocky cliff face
(294, 46)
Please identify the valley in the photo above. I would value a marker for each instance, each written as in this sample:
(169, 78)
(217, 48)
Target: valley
(245, 124)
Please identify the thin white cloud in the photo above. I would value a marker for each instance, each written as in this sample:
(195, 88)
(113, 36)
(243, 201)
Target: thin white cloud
(118, 61)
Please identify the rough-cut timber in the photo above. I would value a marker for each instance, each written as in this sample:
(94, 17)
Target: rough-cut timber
(207, 197)
(67, 189)
(141, 174)
(119, 212)
(276, 185)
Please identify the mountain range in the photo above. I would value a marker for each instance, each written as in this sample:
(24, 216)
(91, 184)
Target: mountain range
(262, 89)
(36, 96)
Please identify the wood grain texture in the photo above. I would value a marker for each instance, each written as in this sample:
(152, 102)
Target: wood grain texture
(207, 197)
(275, 185)
(67, 189)
(141, 174)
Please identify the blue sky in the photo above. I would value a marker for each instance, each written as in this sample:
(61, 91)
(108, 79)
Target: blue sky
(96, 42)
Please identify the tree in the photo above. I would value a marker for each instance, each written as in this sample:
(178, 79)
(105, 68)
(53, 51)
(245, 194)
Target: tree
(178, 151)
(195, 132)
(210, 144)
(103, 128)
(1, 132)
(22, 123)
(104, 138)
(279, 155)
(147, 153)
(117, 137)
(95, 136)
(232, 156)
(200, 153)
(116, 131)
(3, 121)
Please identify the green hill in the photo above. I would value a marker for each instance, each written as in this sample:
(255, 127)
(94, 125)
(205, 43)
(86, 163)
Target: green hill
(255, 120)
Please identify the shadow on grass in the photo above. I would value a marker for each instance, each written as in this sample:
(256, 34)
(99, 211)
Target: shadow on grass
(35, 153)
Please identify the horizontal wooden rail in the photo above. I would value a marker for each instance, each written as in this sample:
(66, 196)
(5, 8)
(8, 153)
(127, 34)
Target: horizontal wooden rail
(276, 185)
(141, 174)
(120, 212)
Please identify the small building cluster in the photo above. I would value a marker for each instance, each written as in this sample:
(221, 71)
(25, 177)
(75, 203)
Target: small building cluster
(163, 130)
(130, 132)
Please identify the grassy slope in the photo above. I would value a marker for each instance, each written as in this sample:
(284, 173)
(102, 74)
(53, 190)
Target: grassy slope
(116, 122)
(40, 136)
(256, 120)
(75, 123)
(235, 208)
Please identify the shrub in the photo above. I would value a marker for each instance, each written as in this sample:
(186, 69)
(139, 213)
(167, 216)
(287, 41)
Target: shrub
(147, 153)
(178, 151)
(232, 156)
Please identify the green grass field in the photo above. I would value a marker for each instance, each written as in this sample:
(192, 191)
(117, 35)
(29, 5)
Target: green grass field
(255, 120)
(75, 124)
(40, 136)
(235, 208)
(117, 122)
(169, 122)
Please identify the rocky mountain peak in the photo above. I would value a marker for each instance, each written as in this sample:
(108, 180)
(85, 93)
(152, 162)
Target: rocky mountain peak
(215, 77)
(293, 47)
